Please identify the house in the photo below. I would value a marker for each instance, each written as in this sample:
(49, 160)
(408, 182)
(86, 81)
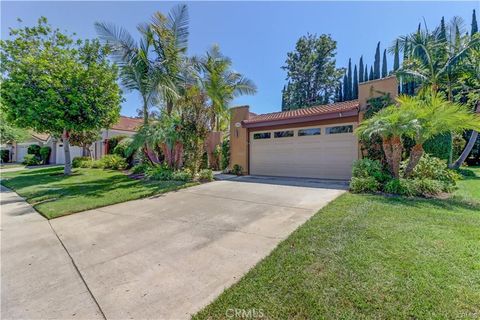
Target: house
(315, 142)
(125, 126)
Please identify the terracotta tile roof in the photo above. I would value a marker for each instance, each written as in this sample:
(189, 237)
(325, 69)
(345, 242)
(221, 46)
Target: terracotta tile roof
(306, 112)
(127, 124)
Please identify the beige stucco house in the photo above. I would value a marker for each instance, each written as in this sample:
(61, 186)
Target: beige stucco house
(125, 126)
(315, 142)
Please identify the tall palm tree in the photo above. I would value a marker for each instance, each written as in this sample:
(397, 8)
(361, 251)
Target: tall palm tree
(431, 114)
(170, 43)
(220, 83)
(390, 124)
(138, 69)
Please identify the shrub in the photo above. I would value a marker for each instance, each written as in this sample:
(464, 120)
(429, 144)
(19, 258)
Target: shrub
(141, 168)
(113, 161)
(113, 141)
(31, 160)
(161, 172)
(205, 175)
(182, 175)
(45, 154)
(94, 164)
(402, 187)
(4, 155)
(429, 187)
(34, 149)
(364, 184)
(122, 147)
(365, 168)
(439, 146)
(225, 154)
(237, 169)
(78, 162)
(434, 169)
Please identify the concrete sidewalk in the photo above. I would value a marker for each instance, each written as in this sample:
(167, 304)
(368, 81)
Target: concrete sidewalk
(38, 278)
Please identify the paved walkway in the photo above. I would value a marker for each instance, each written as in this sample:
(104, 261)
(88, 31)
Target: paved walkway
(38, 278)
(167, 256)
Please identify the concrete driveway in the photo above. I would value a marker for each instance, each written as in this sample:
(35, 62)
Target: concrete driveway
(170, 255)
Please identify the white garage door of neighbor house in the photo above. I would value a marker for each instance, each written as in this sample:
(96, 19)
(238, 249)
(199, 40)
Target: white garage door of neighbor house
(22, 151)
(74, 152)
(325, 152)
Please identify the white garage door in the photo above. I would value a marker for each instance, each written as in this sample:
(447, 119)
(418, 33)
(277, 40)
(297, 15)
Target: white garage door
(22, 151)
(325, 152)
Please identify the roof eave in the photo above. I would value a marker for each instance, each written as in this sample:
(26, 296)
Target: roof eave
(324, 116)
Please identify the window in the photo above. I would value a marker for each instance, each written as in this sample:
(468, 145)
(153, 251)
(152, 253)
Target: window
(339, 129)
(263, 135)
(283, 134)
(309, 132)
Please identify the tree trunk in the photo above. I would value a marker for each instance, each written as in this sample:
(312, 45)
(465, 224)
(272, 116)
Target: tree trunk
(415, 155)
(466, 151)
(145, 112)
(468, 148)
(387, 149)
(66, 148)
(396, 155)
(151, 155)
(169, 107)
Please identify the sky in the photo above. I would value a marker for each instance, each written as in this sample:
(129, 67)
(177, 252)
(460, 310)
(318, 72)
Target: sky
(255, 35)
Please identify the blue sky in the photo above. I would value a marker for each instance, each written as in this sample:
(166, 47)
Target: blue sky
(256, 35)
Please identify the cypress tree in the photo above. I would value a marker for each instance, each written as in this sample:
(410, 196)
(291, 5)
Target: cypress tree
(345, 88)
(384, 64)
(355, 83)
(340, 95)
(442, 36)
(360, 69)
(365, 75)
(376, 64)
(396, 58)
(371, 76)
(349, 93)
(474, 24)
(405, 57)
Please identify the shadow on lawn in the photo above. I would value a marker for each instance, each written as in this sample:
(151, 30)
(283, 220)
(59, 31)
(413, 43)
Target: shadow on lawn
(452, 203)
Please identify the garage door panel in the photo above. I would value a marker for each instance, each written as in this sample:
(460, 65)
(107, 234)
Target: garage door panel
(320, 156)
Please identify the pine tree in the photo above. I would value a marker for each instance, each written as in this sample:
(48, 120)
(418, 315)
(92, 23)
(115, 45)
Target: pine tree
(396, 58)
(345, 88)
(360, 69)
(371, 76)
(349, 79)
(355, 83)
(376, 64)
(384, 64)
(365, 75)
(283, 98)
(474, 24)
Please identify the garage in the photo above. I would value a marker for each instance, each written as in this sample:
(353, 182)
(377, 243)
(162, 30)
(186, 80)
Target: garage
(321, 151)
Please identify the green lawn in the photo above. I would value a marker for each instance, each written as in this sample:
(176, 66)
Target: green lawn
(370, 257)
(54, 195)
(10, 165)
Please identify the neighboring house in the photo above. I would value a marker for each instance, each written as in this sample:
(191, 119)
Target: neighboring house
(314, 142)
(125, 126)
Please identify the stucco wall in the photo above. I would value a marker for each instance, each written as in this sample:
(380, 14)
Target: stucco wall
(377, 88)
(239, 138)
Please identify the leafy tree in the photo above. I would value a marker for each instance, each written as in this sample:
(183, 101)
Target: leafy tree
(384, 64)
(474, 29)
(84, 139)
(311, 71)
(221, 84)
(9, 132)
(360, 69)
(355, 83)
(57, 85)
(376, 64)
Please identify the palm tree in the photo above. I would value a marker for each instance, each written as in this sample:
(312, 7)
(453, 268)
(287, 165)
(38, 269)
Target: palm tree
(431, 114)
(390, 124)
(170, 43)
(138, 69)
(220, 83)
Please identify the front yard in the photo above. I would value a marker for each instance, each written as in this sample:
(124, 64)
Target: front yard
(369, 256)
(54, 195)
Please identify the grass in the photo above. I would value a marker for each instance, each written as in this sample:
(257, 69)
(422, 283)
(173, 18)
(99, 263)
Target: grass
(10, 165)
(54, 195)
(370, 257)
